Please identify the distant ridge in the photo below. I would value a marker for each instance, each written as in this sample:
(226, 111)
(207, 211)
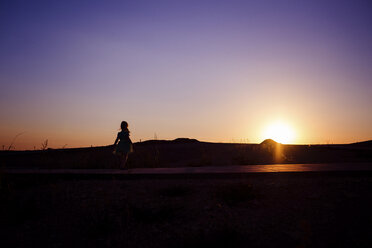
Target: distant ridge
(367, 143)
(269, 142)
(175, 141)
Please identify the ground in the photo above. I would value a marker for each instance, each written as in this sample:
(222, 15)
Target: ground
(188, 153)
(254, 210)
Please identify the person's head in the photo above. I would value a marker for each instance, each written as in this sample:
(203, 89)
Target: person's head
(124, 125)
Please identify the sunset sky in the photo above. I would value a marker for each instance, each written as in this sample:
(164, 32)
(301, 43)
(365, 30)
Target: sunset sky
(219, 71)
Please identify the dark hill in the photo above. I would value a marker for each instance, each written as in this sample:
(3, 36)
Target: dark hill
(367, 143)
(269, 142)
(184, 152)
(175, 141)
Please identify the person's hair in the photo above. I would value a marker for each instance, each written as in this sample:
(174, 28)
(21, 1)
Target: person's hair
(124, 125)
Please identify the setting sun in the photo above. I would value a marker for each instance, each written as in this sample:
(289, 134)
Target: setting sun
(280, 132)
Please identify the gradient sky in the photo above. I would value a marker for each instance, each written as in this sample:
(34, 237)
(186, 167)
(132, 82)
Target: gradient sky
(217, 71)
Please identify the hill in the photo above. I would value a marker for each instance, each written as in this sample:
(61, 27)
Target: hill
(367, 143)
(185, 152)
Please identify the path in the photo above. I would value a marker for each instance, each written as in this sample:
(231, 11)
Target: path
(204, 170)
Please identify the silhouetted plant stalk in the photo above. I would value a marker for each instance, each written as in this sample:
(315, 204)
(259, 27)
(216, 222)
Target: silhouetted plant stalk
(14, 139)
(44, 145)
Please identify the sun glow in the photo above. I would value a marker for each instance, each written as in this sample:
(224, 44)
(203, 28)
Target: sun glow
(280, 132)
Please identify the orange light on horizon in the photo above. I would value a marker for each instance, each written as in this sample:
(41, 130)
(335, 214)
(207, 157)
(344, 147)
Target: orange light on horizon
(280, 132)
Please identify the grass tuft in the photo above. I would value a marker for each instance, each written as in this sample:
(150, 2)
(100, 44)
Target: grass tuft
(148, 215)
(176, 191)
(234, 194)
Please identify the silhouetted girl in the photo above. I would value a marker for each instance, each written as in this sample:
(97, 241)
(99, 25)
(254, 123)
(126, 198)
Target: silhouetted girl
(124, 147)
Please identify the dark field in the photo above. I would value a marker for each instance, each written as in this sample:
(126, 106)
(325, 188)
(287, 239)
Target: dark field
(305, 209)
(187, 153)
(260, 210)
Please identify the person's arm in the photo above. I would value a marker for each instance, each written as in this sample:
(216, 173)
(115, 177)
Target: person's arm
(116, 141)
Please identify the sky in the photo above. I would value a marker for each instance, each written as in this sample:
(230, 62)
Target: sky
(218, 71)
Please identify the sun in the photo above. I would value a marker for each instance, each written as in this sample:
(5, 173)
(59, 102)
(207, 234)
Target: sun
(280, 132)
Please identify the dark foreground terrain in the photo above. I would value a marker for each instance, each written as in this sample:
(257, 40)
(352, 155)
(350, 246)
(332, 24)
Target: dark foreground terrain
(187, 153)
(252, 210)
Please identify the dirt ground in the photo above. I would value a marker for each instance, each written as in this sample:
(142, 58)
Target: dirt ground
(266, 210)
(172, 154)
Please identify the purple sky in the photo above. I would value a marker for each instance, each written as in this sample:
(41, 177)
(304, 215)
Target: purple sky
(70, 71)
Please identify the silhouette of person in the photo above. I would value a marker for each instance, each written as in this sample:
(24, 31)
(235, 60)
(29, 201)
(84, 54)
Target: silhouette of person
(125, 146)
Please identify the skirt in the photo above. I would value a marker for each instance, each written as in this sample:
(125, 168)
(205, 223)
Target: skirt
(123, 148)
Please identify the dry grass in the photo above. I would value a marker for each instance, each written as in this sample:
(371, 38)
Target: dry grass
(234, 194)
(176, 191)
(178, 154)
(261, 211)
